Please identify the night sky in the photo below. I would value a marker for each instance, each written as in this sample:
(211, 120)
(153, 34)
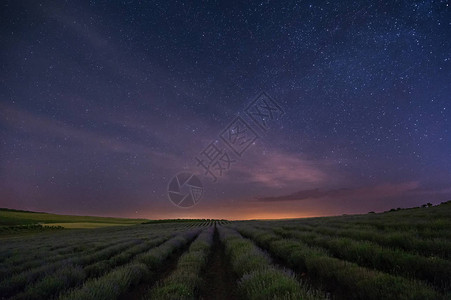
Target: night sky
(103, 102)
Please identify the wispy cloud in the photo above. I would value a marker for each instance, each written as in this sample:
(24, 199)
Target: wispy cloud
(41, 126)
(279, 169)
(367, 192)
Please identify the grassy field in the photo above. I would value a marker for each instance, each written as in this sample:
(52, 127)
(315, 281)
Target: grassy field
(10, 217)
(13, 222)
(401, 254)
(85, 224)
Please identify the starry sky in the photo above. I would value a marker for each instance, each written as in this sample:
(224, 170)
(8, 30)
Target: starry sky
(103, 102)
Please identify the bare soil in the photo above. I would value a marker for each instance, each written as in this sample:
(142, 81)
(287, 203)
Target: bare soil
(219, 279)
(169, 265)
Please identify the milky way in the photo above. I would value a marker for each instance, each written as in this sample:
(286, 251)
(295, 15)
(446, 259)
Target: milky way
(103, 103)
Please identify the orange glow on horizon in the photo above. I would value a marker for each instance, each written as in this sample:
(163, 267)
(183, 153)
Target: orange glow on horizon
(233, 215)
(267, 216)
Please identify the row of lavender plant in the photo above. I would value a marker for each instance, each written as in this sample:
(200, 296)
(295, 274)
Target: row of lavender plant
(48, 249)
(143, 267)
(408, 240)
(71, 270)
(341, 277)
(434, 270)
(185, 281)
(258, 277)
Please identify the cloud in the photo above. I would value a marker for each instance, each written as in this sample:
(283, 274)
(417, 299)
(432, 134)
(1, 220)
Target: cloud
(44, 129)
(280, 169)
(368, 192)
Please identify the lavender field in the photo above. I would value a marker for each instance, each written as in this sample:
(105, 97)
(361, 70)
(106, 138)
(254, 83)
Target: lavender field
(401, 254)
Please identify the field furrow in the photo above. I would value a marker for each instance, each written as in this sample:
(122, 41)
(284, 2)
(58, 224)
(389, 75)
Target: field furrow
(344, 279)
(185, 281)
(144, 267)
(346, 257)
(368, 254)
(258, 277)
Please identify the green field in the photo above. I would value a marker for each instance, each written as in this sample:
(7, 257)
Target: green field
(13, 222)
(10, 217)
(401, 254)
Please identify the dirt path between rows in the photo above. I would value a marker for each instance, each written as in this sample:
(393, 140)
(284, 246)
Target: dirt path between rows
(219, 279)
(169, 265)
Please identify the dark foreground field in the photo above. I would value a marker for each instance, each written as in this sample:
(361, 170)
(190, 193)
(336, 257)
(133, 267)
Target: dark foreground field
(404, 254)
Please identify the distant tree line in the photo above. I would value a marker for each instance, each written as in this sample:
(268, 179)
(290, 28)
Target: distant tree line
(422, 206)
